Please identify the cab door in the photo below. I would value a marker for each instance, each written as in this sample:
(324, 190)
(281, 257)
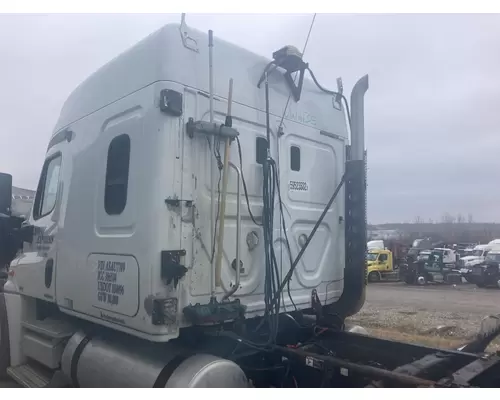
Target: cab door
(383, 260)
(34, 270)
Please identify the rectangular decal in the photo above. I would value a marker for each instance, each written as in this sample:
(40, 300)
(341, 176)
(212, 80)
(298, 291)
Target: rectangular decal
(298, 186)
(109, 288)
(116, 283)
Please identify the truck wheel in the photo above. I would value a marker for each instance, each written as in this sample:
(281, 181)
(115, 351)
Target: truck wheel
(4, 339)
(373, 276)
(422, 280)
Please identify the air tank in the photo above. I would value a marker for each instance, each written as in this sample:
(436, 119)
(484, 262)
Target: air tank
(99, 362)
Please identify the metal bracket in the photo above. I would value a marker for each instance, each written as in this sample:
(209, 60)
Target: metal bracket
(233, 266)
(295, 89)
(208, 128)
(214, 312)
(465, 375)
(164, 311)
(174, 202)
(323, 318)
(187, 41)
(337, 101)
(171, 267)
(316, 305)
(171, 102)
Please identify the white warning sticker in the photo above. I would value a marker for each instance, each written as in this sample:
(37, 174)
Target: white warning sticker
(298, 186)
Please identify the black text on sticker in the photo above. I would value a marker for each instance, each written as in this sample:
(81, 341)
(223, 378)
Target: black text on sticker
(296, 186)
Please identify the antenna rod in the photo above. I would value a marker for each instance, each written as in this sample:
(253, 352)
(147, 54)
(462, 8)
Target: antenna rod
(212, 146)
(222, 205)
(230, 98)
(268, 126)
(211, 73)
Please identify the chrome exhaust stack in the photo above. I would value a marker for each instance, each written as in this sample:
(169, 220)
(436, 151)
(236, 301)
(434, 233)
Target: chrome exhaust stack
(355, 273)
(358, 119)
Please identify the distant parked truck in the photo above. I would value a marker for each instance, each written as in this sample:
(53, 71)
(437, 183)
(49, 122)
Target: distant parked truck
(380, 265)
(487, 273)
(476, 257)
(22, 201)
(417, 246)
(436, 265)
(384, 258)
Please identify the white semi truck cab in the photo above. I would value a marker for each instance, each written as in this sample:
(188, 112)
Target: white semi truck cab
(199, 221)
(477, 256)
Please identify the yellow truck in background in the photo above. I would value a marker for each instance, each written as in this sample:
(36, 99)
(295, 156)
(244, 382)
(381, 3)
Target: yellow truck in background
(383, 259)
(380, 265)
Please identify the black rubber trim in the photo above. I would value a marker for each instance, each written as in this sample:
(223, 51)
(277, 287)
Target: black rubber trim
(169, 369)
(355, 270)
(74, 360)
(4, 333)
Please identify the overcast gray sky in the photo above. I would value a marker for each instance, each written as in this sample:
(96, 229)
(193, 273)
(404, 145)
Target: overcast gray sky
(432, 119)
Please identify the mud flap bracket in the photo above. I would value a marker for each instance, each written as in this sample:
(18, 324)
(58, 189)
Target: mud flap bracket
(172, 270)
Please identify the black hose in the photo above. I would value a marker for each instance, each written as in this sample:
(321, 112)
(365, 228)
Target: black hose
(272, 286)
(244, 183)
(331, 92)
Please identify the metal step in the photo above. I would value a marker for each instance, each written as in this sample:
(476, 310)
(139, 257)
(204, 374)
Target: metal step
(29, 376)
(389, 275)
(53, 328)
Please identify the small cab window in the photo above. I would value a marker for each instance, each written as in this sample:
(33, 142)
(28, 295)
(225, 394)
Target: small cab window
(47, 188)
(295, 158)
(260, 150)
(382, 257)
(117, 169)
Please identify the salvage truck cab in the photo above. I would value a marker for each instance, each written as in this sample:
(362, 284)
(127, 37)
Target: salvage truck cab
(476, 256)
(433, 266)
(200, 221)
(122, 223)
(380, 265)
(151, 216)
(487, 273)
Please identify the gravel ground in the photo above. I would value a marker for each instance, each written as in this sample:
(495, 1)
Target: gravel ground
(453, 312)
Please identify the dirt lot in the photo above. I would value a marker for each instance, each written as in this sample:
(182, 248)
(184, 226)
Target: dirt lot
(443, 316)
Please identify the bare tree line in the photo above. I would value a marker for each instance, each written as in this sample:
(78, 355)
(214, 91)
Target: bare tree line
(450, 228)
(447, 218)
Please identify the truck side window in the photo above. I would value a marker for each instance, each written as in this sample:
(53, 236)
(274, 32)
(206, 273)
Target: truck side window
(382, 257)
(46, 196)
(295, 158)
(260, 150)
(117, 168)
